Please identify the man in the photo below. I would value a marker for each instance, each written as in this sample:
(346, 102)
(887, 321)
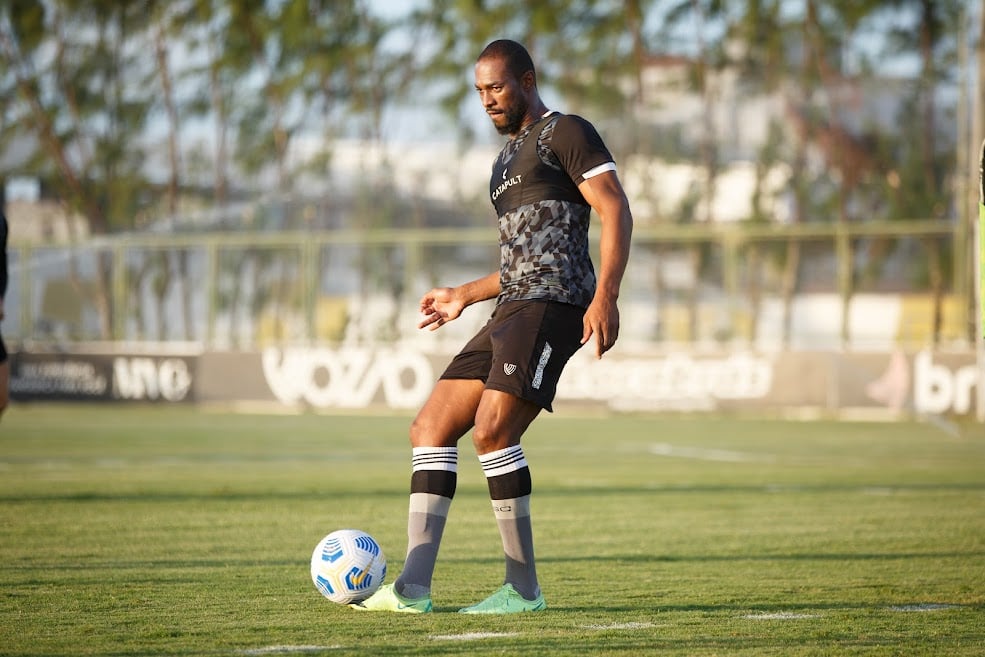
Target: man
(550, 175)
(4, 360)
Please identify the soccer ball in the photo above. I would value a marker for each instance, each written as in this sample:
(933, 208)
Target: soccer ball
(347, 566)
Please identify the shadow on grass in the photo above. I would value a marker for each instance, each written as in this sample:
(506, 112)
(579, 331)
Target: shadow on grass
(399, 490)
(233, 563)
(217, 495)
(810, 556)
(763, 488)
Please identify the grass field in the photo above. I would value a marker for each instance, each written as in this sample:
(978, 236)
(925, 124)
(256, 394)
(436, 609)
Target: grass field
(170, 531)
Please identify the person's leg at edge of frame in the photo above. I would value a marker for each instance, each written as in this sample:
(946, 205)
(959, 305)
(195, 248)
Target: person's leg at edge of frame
(500, 423)
(4, 386)
(4, 376)
(445, 417)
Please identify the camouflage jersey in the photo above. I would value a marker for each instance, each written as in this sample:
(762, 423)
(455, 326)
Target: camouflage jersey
(543, 218)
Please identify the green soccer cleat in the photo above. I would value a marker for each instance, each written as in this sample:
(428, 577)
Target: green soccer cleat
(387, 599)
(506, 601)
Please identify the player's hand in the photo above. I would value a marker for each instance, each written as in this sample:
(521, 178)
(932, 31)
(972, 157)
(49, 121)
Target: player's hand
(602, 321)
(440, 306)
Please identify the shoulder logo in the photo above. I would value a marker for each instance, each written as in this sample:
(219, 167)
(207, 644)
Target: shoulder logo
(505, 173)
(509, 368)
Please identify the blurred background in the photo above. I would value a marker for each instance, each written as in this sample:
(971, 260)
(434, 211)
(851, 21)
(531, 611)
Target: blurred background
(216, 199)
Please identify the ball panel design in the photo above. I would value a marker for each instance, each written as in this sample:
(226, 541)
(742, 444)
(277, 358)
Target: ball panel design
(347, 566)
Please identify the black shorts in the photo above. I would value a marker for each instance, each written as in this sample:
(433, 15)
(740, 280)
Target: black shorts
(522, 349)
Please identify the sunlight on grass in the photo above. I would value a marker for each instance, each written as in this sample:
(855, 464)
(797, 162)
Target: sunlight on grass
(144, 530)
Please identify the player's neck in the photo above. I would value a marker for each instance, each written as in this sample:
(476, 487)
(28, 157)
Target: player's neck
(536, 112)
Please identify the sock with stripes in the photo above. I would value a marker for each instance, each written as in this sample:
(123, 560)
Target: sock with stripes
(509, 489)
(432, 487)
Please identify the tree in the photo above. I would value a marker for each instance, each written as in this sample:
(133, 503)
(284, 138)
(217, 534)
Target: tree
(923, 163)
(80, 94)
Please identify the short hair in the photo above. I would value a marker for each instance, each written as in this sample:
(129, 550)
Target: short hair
(515, 56)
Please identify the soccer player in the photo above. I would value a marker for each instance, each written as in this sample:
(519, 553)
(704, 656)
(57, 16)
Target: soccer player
(553, 171)
(4, 360)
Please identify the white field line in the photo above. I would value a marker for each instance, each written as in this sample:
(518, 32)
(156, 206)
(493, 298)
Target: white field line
(780, 615)
(924, 607)
(473, 636)
(702, 454)
(286, 650)
(619, 626)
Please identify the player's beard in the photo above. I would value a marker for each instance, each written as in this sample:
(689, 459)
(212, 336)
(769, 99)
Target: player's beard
(514, 118)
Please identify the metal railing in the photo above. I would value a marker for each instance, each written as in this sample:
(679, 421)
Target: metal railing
(684, 282)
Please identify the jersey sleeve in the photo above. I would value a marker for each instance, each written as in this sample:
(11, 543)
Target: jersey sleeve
(579, 148)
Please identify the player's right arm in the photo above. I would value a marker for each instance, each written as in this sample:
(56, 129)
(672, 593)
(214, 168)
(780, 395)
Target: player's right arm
(443, 304)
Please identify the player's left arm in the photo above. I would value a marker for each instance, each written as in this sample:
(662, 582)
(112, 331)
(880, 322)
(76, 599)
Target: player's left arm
(605, 194)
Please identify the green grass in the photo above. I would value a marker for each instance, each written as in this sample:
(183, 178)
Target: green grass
(170, 531)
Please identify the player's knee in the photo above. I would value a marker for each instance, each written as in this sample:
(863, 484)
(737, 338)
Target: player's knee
(417, 432)
(488, 437)
(425, 433)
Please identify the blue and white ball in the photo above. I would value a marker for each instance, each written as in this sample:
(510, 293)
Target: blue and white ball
(348, 566)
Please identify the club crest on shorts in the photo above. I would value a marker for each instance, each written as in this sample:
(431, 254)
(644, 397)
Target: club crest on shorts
(509, 368)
